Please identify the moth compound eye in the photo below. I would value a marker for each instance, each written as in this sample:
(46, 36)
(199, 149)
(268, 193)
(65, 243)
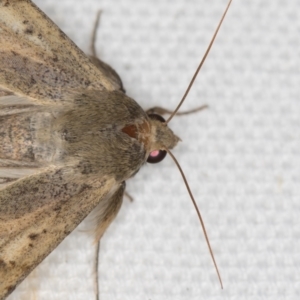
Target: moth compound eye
(157, 117)
(156, 156)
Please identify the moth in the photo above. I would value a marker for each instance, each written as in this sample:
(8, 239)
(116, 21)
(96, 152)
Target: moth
(69, 139)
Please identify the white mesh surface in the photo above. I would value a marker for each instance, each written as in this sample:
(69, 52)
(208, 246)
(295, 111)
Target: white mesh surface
(241, 156)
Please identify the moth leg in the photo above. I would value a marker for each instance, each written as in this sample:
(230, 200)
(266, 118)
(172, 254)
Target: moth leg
(96, 271)
(130, 198)
(163, 111)
(104, 217)
(105, 68)
(94, 34)
(106, 212)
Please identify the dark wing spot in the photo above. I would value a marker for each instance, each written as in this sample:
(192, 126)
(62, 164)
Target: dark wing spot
(25, 268)
(85, 167)
(32, 80)
(10, 289)
(57, 208)
(2, 263)
(28, 31)
(33, 236)
(62, 35)
(13, 263)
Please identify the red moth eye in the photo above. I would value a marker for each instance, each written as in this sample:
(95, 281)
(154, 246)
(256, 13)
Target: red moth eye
(156, 156)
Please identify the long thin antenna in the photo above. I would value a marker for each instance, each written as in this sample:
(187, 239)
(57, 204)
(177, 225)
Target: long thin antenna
(200, 65)
(198, 213)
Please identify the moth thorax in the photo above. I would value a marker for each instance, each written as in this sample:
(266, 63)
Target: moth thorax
(139, 131)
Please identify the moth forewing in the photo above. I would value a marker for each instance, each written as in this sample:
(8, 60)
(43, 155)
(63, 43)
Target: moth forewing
(49, 64)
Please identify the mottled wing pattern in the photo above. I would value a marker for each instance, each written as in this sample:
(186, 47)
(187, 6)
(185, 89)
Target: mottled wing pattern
(40, 202)
(38, 60)
(37, 213)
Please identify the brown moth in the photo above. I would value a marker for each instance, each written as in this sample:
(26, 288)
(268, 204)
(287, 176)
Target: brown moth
(65, 121)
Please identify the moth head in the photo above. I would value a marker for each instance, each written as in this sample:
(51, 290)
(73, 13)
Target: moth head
(162, 138)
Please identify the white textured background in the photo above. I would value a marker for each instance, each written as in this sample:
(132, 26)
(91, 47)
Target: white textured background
(241, 156)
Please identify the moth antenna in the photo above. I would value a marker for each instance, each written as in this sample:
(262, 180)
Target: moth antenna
(200, 65)
(162, 111)
(198, 213)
